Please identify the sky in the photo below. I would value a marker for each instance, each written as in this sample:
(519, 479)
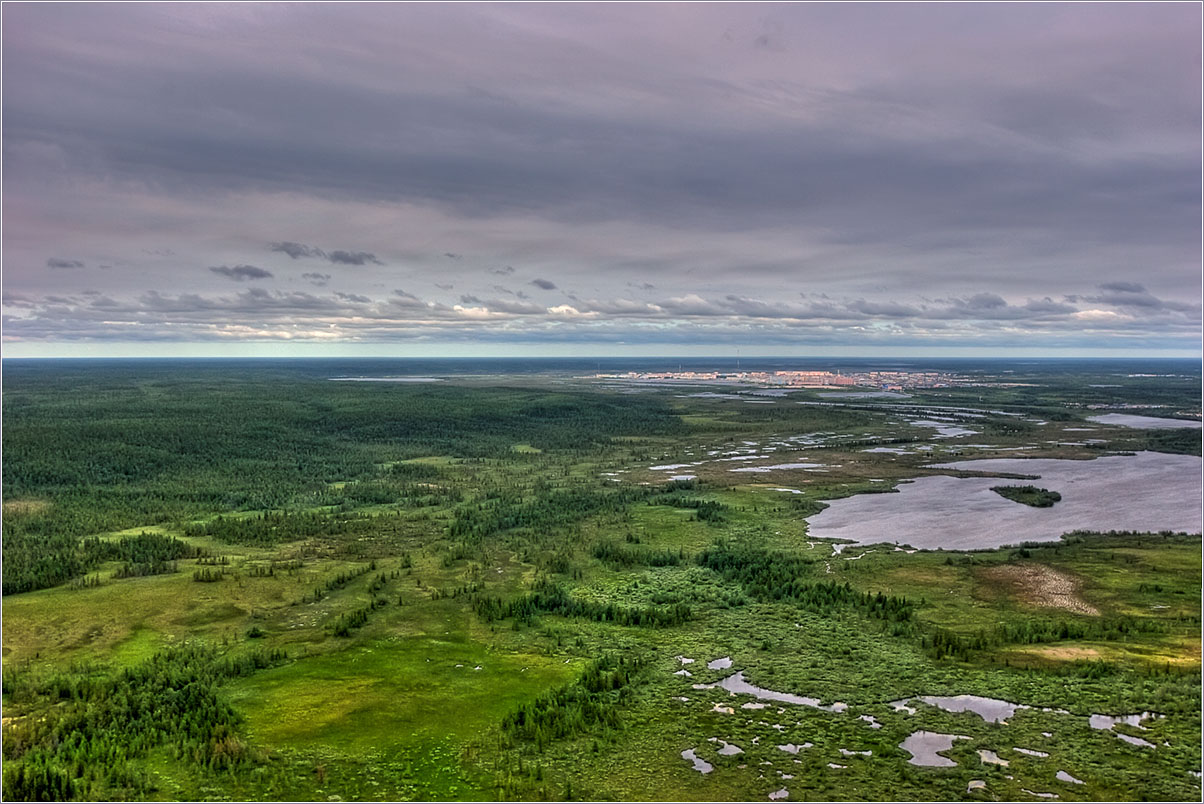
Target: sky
(594, 179)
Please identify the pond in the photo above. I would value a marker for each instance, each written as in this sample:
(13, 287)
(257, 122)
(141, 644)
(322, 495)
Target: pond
(925, 748)
(700, 765)
(992, 710)
(737, 685)
(1148, 491)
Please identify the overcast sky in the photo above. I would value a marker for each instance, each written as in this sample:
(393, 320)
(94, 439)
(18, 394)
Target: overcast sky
(601, 179)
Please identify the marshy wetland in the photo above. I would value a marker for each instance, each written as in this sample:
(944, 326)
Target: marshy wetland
(245, 581)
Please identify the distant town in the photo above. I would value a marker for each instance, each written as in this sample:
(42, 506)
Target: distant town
(884, 380)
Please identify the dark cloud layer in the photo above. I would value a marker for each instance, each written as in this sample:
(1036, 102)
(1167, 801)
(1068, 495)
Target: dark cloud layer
(801, 173)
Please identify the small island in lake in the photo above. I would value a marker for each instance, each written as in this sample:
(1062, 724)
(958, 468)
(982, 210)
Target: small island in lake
(1029, 495)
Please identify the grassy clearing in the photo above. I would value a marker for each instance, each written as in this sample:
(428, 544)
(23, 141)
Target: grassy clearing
(393, 697)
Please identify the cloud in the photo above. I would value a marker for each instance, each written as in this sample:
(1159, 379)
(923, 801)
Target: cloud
(338, 256)
(1134, 297)
(568, 311)
(887, 309)
(984, 301)
(240, 273)
(1123, 287)
(353, 258)
(298, 250)
(929, 170)
(56, 262)
(1048, 305)
(496, 306)
(1106, 316)
(406, 300)
(262, 314)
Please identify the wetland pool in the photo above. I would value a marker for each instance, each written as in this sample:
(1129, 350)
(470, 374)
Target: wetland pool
(1147, 491)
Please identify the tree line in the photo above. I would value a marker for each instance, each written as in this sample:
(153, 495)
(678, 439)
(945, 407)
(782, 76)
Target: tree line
(96, 725)
(548, 597)
(586, 705)
(35, 563)
(778, 576)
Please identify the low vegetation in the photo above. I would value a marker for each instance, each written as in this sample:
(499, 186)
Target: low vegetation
(1029, 495)
(224, 584)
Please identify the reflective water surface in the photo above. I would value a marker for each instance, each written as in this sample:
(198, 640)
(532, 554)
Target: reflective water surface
(1148, 491)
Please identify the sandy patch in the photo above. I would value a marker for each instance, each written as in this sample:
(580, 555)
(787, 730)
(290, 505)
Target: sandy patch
(1067, 654)
(1040, 585)
(24, 507)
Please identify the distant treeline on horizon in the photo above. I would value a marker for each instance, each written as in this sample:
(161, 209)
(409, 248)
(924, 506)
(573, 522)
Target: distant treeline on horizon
(422, 366)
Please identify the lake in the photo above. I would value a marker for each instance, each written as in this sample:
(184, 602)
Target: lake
(1148, 491)
(1142, 422)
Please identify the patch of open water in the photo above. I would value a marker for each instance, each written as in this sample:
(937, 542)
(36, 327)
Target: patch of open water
(1142, 422)
(1148, 491)
(992, 710)
(777, 466)
(1107, 722)
(386, 379)
(944, 429)
(791, 748)
(727, 749)
(736, 684)
(925, 748)
(863, 395)
(700, 765)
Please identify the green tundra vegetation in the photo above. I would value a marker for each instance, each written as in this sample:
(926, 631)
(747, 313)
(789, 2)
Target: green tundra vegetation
(240, 580)
(1029, 495)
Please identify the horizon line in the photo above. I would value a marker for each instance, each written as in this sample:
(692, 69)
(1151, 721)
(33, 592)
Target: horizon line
(587, 357)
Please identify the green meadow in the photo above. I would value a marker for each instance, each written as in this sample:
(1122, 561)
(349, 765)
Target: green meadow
(223, 584)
